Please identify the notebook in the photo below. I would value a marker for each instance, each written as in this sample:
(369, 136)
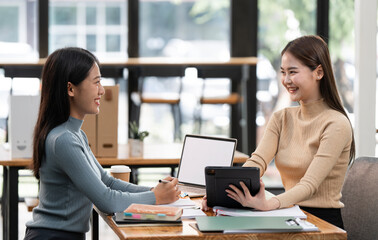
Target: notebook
(199, 152)
(122, 222)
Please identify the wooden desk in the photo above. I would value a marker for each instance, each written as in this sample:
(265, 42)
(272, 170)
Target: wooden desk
(155, 155)
(189, 231)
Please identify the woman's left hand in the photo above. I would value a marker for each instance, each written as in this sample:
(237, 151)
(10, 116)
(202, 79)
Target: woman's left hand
(258, 201)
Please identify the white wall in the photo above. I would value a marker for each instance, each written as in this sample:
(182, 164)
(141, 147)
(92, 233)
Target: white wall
(365, 82)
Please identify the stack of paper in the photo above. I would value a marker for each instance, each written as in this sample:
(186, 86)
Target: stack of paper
(189, 213)
(294, 212)
(190, 209)
(182, 203)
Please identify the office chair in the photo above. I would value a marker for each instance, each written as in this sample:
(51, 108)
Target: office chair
(231, 98)
(171, 97)
(360, 196)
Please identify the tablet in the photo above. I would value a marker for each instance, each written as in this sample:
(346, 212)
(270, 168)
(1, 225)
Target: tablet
(218, 180)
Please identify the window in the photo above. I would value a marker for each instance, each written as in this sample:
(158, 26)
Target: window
(341, 47)
(18, 38)
(91, 15)
(9, 27)
(188, 29)
(113, 43)
(64, 15)
(99, 26)
(279, 22)
(113, 16)
(193, 29)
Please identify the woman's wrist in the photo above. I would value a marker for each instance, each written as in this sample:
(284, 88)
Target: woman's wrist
(273, 203)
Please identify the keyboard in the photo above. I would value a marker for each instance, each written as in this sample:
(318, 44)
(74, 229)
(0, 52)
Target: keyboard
(193, 191)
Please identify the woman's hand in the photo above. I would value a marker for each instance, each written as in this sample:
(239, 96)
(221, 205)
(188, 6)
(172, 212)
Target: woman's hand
(258, 202)
(204, 204)
(167, 192)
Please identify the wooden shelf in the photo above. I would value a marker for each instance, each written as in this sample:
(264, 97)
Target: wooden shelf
(233, 98)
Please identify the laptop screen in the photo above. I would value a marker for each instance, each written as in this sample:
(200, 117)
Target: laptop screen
(201, 151)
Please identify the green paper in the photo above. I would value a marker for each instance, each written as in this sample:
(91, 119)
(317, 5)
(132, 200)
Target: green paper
(222, 223)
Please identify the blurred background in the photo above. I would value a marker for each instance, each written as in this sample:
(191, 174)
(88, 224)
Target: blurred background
(185, 29)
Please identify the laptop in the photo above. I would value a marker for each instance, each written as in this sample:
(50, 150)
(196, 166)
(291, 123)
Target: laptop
(199, 152)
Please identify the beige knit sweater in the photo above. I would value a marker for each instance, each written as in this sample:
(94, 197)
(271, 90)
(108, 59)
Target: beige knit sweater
(310, 144)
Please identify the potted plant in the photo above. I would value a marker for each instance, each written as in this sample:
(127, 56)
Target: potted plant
(136, 140)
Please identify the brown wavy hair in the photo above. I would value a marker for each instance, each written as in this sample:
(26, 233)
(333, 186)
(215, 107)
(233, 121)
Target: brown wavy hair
(62, 66)
(313, 51)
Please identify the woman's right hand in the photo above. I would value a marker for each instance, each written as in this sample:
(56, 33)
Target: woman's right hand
(257, 202)
(167, 192)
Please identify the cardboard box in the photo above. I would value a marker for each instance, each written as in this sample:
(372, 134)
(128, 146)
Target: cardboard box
(102, 129)
(23, 116)
(90, 128)
(107, 123)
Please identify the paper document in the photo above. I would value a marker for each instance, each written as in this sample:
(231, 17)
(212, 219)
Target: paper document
(190, 209)
(182, 202)
(268, 195)
(189, 213)
(294, 212)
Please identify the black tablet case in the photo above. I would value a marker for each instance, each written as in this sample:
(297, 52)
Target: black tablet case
(219, 178)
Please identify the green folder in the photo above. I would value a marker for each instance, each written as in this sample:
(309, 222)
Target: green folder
(253, 224)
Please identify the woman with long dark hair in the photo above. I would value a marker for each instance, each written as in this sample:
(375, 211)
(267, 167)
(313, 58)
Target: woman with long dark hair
(71, 179)
(312, 144)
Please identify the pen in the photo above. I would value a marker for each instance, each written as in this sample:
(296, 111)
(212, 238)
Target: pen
(166, 181)
(163, 181)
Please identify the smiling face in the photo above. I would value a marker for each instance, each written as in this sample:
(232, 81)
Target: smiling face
(85, 97)
(299, 80)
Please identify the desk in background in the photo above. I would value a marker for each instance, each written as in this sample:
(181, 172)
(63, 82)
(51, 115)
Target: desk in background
(241, 71)
(189, 231)
(155, 155)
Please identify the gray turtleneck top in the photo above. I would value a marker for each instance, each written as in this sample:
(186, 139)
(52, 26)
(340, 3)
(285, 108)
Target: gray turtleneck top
(71, 181)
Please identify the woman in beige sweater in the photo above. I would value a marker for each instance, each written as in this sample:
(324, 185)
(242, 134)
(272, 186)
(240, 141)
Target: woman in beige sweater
(312, 144)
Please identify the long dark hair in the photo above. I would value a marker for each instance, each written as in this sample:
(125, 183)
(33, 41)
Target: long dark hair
(62, 66)
(312, 51)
